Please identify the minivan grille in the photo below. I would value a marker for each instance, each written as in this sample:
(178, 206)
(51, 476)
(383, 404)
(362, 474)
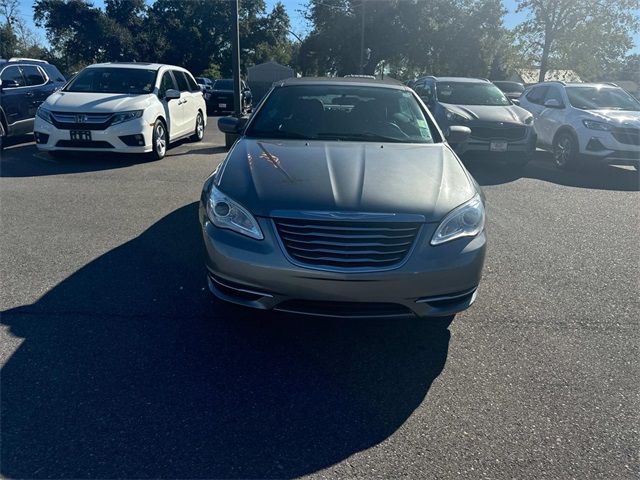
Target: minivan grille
(346, 244)
(81, 121)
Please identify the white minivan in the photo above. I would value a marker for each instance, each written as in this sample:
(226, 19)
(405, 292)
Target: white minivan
(122, 107)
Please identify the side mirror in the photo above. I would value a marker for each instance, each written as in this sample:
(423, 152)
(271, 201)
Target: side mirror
(457, 134)
(515, 101)
(172, 94)
(231, 124)
(553, 103)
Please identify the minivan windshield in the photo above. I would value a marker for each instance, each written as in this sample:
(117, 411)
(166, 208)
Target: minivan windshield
(342, 112)
(601, 98)
(470, 93)
(132, 81)
(223, 85)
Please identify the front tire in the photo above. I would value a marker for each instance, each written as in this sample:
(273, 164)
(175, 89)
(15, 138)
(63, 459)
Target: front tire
(565, 151)
(159, 141)
(198, 134)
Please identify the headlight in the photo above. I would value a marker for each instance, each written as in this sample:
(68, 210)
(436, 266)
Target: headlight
(126, 116)
(467, 220)
(454, 117)
(225, 213)
(528, 120)
(44, 114)
(595, 125)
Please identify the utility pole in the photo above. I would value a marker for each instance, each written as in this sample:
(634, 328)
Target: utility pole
(362, 39)
(235, 57)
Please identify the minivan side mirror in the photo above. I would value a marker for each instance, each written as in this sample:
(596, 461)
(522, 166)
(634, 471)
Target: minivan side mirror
(553, 103)
(172, 94)
(457, 134)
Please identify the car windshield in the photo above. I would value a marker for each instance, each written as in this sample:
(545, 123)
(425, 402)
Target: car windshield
(510, 86)
(470, 93)
(342, 112)
(601, 98)
(113, 80)
(201, 81)
(223, 85)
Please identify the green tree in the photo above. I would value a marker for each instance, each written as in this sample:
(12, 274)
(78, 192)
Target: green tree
(586, 34)
(8, 41)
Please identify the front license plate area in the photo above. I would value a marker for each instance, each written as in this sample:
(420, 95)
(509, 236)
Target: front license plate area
(80, 135)
(498, 146)
(222, 105)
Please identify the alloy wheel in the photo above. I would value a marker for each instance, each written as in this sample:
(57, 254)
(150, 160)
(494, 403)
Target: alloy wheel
(161, 141)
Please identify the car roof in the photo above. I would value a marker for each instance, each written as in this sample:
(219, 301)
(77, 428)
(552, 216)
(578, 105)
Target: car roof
(24, 61)
(369, 82)
(138, 65)
(461, 79)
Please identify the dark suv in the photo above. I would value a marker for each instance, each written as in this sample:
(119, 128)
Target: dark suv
(221, 99)
(24, 84)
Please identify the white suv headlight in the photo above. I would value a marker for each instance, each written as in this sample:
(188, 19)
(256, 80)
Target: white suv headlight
(225, 213)
(467, 220)
(126, 116)
(44, 114)
(595, 125)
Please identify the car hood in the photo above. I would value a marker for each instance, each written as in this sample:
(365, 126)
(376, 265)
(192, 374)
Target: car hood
(267, 176)
(490, 113)
(622, 118)
(97, 102)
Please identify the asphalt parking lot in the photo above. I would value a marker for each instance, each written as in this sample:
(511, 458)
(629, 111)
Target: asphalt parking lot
(117, 362)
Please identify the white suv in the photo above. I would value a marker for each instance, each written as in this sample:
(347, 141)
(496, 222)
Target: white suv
(122, 107)
(582, 121)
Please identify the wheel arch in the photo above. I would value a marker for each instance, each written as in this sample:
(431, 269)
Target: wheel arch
(566, 129)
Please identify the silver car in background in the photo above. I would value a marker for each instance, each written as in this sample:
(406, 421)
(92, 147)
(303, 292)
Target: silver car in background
(343, 198)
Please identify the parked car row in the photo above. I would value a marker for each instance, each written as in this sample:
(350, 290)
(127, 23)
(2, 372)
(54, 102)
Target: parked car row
(575, 121)
(151, 89)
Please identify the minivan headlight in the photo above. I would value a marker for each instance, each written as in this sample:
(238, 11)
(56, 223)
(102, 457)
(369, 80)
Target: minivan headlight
(226, 213)
(44, 114)
(595, 125)
(126, 116)
(467, 220)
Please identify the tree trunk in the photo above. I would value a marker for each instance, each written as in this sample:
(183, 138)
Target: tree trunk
(544, 60)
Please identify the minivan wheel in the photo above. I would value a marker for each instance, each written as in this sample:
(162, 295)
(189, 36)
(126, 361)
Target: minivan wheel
(565, 151)
(160, 141)
(198, 134)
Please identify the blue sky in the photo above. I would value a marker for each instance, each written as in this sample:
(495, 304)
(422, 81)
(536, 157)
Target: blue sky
(298, 23)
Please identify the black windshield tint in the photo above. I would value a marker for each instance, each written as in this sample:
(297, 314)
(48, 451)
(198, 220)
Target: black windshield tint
(113, 80)
(601, 98)
(342, 112)
(469, 93)
(223, 85)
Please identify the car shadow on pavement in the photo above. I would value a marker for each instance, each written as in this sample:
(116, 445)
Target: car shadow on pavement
(24, 160)
(129, 368)
(542, 168)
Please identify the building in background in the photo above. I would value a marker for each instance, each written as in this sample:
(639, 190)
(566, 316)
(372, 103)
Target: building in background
(260, 77)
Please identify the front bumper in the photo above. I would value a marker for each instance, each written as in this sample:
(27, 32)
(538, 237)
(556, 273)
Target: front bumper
(51, 138)
(515, 148)
(603, 147)
(434, 281)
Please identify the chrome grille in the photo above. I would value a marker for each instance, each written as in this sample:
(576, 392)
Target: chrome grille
(497, 132)
(81, 121)
(346, 244)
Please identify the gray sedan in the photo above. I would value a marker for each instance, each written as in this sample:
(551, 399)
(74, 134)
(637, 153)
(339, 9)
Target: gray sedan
(342, 198)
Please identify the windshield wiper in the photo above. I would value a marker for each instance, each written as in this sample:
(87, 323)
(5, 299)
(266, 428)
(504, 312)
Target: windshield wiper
(368, 136)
